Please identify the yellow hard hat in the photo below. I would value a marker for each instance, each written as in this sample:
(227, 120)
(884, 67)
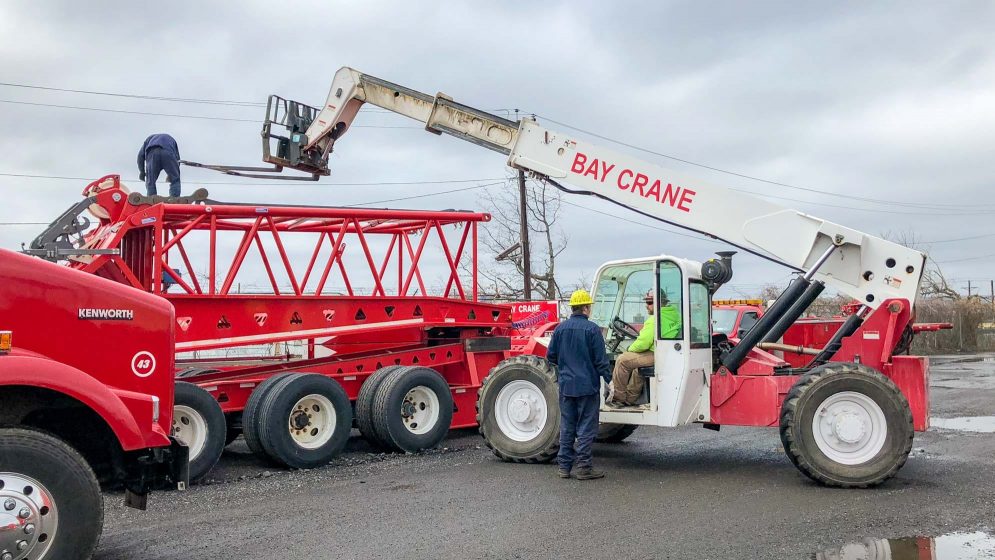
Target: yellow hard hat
(580, 297)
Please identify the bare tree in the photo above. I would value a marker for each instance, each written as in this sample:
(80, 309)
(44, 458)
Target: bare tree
(504, 279)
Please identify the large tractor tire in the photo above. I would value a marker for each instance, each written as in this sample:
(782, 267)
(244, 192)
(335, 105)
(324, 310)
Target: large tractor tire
(846, 425)
(412, 409)
(364, 406)
(518, 410)
(48, 486)
(199, 423)
(614, 433)
(250, 415)
(305, 421)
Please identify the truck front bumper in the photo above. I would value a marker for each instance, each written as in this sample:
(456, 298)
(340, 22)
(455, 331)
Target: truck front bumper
(155, 468)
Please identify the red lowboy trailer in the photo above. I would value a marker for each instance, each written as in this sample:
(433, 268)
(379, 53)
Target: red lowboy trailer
(432, 330)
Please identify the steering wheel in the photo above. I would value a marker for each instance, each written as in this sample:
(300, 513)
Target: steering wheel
(623, 329)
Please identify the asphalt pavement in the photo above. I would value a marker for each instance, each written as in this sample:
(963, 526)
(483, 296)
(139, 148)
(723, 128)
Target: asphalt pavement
(684, 493)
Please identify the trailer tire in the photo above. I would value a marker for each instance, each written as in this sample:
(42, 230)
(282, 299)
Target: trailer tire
(522, 378)
(200, 424)
(250, 415)
(305, 421)
(862, 434)
(413, 409)
(63, 488)
(364, 406)
(614, 433)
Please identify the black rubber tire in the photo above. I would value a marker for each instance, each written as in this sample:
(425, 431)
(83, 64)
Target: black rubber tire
(386, 410)
(190, 395)
(70, 480)
(233, 423)
(803, 402)
(274, 428)
(614, 433)
(250, 414)
(364, 406)
(544, 447)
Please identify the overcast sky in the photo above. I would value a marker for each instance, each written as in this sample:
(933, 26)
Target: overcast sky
(892, 103)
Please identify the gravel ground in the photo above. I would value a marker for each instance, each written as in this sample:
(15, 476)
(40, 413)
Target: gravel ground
(685, 493)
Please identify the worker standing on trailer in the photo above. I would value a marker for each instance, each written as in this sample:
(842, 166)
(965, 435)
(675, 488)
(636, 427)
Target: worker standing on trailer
(159, 153)
(627, 384)
(578, 350)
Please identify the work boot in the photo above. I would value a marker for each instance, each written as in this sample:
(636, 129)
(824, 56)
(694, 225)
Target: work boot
(563, 473)
(587, 473)
(615, 404)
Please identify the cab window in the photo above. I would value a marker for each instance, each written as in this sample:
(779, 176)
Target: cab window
(670, 315)
(746, 323)
(619, 293)
(701, 305)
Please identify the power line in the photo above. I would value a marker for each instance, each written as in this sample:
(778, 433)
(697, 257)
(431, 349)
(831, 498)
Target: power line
(754, 178)
(137, 96)
(201, 117)
(222, 102)
(315, 184)
(988, 256)
(875, 210)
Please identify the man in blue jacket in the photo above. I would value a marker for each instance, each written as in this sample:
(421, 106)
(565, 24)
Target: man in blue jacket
(578, 350)
(159, 153)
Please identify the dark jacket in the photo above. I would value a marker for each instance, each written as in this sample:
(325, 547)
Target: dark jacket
(164, 141)
(578, 350)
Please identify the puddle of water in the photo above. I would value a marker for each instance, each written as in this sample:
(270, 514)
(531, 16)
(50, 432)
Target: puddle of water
(955, 546)
(982, 424)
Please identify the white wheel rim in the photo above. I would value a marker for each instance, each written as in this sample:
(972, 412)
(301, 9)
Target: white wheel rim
(29, 518)
(312, 421)
(420, 410)
(190, 428)
(520, 410)
(850, 428)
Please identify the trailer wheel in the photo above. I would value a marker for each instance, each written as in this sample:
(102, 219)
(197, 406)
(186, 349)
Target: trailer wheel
(250, 415)
(47, 485)
(614, 433)
(305, 421)
(846, 425)
(413, 409)
(199, 423)
(518, 410)
(364, 406)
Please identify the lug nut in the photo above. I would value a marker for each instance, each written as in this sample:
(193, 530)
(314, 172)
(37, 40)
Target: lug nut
(24, 513)
(21, 545)
(9, 504)
(6, 556)
(29, 528)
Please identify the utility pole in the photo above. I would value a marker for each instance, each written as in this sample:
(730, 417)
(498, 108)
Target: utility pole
(968, 289)
(526, 255)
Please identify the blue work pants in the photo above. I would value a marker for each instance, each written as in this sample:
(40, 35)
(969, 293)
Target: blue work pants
(156, 161)
(578, 421)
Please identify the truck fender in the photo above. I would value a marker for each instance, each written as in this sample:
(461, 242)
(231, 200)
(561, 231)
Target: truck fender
(31, 371)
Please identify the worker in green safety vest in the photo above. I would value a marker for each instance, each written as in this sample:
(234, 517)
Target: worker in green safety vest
(626, 382)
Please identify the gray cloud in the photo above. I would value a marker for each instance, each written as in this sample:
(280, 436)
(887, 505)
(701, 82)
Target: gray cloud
(892, 101)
